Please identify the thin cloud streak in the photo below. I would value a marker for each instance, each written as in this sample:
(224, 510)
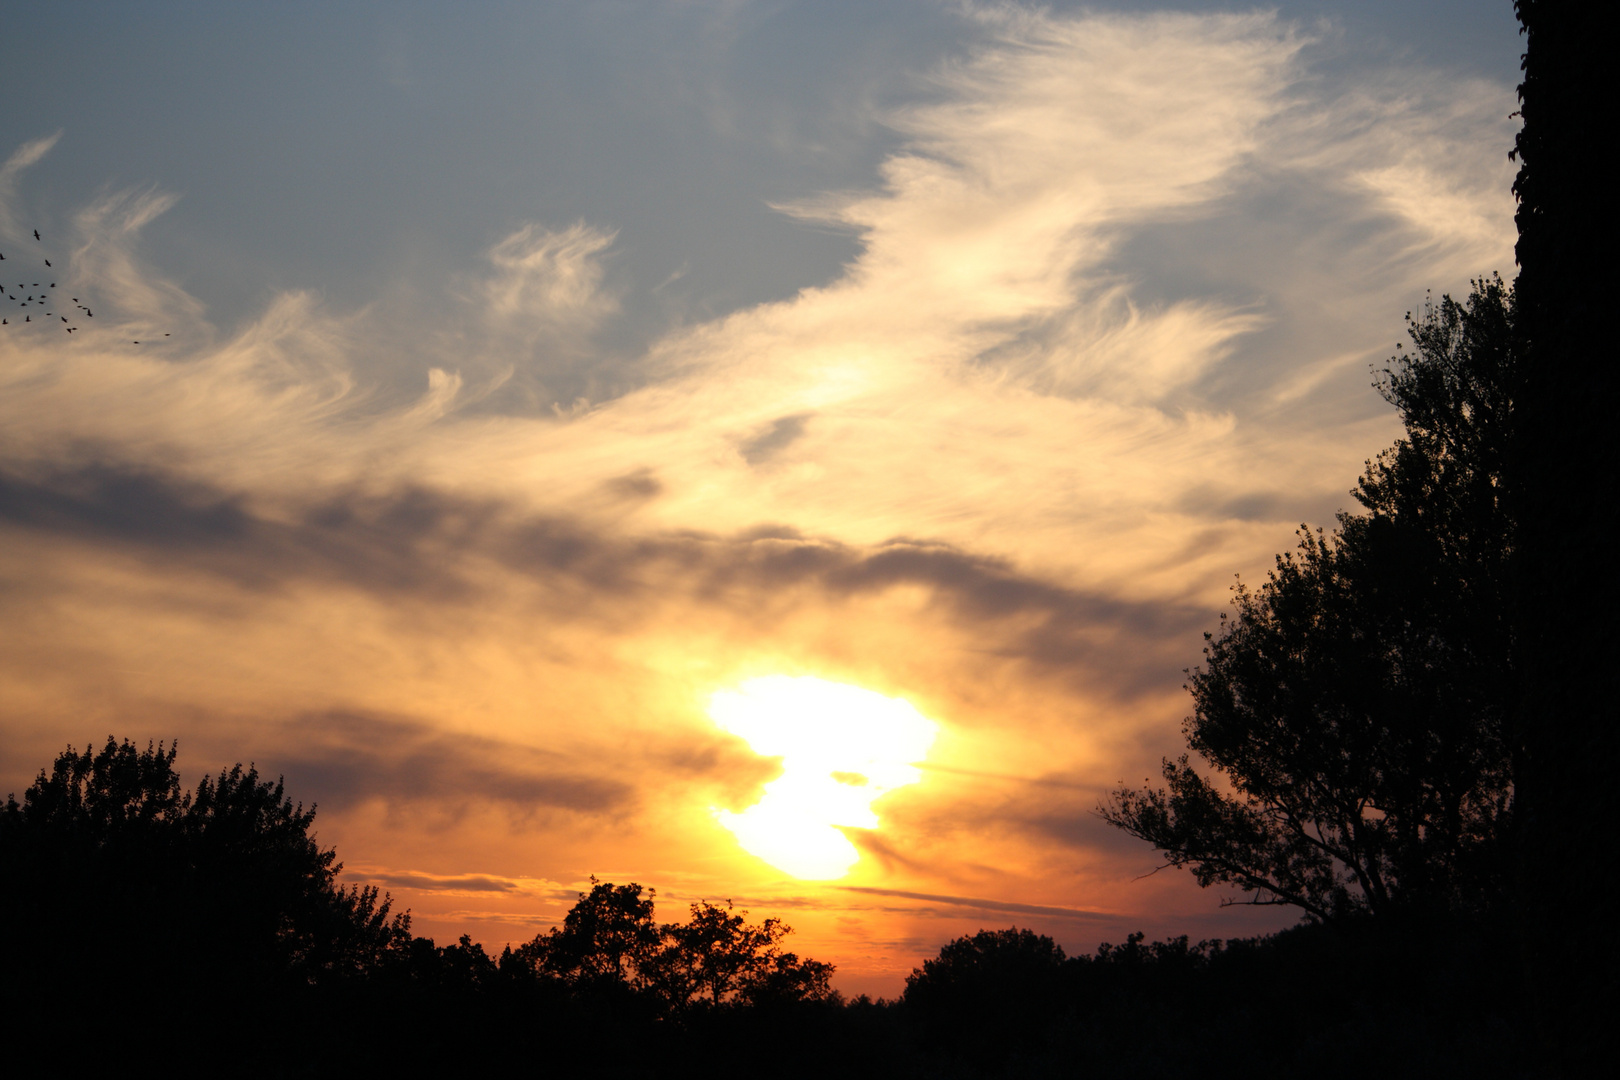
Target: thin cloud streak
(998, 906)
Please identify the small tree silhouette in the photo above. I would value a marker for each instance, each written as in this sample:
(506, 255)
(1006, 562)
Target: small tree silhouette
(610, 944)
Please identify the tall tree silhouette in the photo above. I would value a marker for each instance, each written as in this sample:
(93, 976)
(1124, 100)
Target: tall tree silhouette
(1357, 700)
(1563, 480)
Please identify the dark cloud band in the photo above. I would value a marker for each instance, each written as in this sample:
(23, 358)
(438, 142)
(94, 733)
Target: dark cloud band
(420, 542)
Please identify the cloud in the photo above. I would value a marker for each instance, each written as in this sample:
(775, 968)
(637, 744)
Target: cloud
(982, 905)
(640, 484)
(1006, 367)
(102, 502)
(344, 758)
(406, 879)
(418, 542)
(104, 269)
(21, 158)
(163, 519)
(782, 433)
(548, 278)
(1008, 194)
(420, 881)
(538, 311)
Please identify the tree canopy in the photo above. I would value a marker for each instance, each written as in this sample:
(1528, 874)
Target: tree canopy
(111, 867)
(1355, 705)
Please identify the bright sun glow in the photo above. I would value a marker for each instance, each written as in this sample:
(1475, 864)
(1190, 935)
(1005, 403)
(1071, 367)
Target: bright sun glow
(841, 747)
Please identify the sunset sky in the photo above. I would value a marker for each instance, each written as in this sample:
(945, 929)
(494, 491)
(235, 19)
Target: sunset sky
(776, 451)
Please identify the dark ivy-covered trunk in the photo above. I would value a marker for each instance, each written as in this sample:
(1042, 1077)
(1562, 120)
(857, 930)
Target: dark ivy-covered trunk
(1565, 484)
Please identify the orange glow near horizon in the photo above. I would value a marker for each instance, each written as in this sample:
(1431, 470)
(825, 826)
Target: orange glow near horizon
(841, 748)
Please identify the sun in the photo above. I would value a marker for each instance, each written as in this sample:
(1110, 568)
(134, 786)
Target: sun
(841, 747)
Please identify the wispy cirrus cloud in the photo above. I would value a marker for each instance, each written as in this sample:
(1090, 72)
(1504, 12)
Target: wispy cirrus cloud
(29, 153)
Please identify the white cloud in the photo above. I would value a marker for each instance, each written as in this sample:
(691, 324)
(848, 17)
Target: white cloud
(548, 279)
(25, 155)
(992, 370)
(105, 269)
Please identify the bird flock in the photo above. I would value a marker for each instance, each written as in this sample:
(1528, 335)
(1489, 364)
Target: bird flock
(25, 297)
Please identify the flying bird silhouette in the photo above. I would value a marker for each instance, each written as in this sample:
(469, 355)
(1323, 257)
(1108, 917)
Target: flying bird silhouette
(36, 234)
(47, 262)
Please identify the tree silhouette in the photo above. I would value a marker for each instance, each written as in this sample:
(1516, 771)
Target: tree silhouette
(1356, 703)
(709, 958)
(990, 995)
(117, 881)
(1003, 970)
(609, 945)
(718, 957)
(605, 941)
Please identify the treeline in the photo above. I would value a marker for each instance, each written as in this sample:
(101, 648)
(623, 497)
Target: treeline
(143, 922)
(130, 904)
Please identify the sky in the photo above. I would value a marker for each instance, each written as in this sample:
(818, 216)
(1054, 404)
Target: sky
(769, 451)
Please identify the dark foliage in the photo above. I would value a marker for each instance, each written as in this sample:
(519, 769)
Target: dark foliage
(610, 948)
(130, 904)
(1391, 998)
(125, 896)
(143, 922)
(1357, 703)
(989, 997)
